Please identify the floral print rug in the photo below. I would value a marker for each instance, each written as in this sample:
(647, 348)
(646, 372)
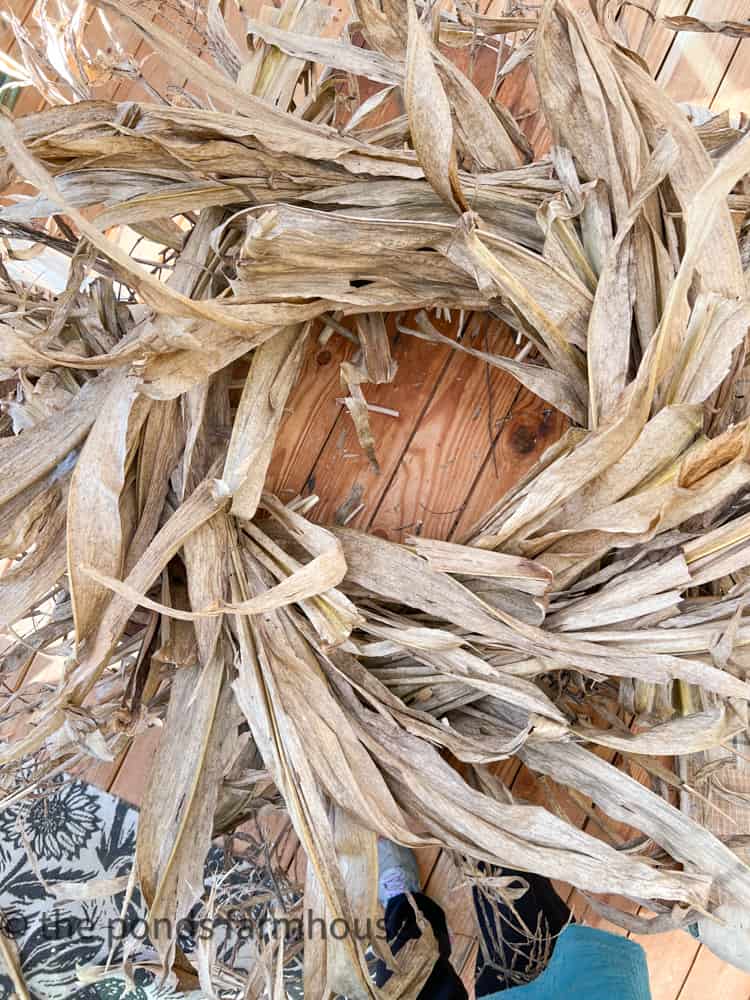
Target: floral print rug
(76, 833)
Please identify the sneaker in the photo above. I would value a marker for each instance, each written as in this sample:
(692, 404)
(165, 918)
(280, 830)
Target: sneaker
(398, 871)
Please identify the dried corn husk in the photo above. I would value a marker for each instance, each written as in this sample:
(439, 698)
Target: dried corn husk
(609, 582)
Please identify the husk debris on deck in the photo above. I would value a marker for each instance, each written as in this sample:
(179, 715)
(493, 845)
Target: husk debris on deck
(299, 178)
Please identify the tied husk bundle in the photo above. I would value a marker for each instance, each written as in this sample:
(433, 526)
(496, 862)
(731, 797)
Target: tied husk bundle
(309, 179)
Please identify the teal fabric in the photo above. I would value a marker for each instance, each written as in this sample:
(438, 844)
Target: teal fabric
(588, 964)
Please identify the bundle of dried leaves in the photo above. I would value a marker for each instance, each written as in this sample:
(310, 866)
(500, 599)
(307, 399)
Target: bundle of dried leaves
(309, 177)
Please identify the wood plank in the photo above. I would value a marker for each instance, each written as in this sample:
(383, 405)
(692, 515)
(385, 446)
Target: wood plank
(130, 782)
(311, 413)
(647, 37)
(342, 471)
(734, 92)
(155, 68)
(448, 449)
(342, 478)
(529, 428)
(96, 38)
(710, 977)
(427, 859)
(670, 959)
(450, 890)
(696, 64)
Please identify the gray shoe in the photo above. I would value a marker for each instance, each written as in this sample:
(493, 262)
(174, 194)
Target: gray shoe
(398, 871)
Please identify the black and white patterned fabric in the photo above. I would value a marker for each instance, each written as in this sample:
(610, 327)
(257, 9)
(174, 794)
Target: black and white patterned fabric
(77, 833)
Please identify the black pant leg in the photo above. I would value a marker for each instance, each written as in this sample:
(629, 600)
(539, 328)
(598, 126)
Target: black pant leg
(401, 926)
(519, 943)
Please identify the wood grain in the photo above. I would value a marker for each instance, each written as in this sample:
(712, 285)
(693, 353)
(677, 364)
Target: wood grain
(697, 64)
(647, 36)
(734, 92)
(448, 449)
(342, 471)
(670, 958)
(130, 781)
(710, 978)
(311, 413)
(529, 427)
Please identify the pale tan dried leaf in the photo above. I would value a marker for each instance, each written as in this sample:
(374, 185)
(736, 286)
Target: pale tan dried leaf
(273, 372)
(376, 349)
(736, 29)
(330, 52)
(629, 801)
(684, 735)
(356, 404)
(95, 530)
(176, 820)
(322, 573)
(447, 557)
(35, 452)
(429, 116)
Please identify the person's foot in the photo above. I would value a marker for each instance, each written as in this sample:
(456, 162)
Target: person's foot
(517, 934)
(398, 871)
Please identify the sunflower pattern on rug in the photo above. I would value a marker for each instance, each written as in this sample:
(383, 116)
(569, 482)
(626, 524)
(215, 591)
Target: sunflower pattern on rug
(76, 833)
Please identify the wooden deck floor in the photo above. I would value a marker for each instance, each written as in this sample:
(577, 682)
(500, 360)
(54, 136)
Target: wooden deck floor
(464, 434)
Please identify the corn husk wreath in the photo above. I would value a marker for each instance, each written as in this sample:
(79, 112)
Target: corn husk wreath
(599, 607)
